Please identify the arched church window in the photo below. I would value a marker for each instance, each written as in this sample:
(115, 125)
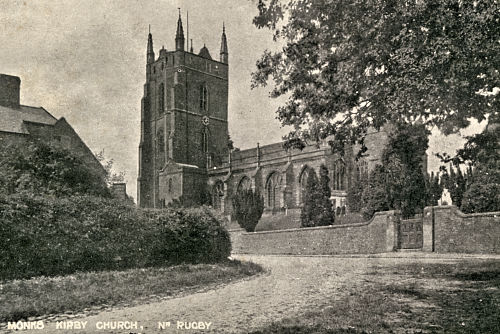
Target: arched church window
(303, 184)
(244, 184)
(203, 98)
(272, 191)
(161, 98)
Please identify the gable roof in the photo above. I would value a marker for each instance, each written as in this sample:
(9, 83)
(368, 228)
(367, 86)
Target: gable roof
(12, 119)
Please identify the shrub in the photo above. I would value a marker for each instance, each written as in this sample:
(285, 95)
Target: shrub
(55, 236)
(317, 209)
(483, 194)
(375, 193)
(248, 206)
(38, 168)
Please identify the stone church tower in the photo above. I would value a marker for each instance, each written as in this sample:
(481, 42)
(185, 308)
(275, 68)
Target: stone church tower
(184, 128)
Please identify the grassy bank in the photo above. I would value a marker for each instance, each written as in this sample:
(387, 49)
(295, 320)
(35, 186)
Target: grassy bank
(414, 298)
(20, 299)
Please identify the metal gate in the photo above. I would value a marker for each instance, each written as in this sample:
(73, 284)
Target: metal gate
(410, 234)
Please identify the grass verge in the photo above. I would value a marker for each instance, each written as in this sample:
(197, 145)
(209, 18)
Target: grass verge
(20, 299)
(415, 298)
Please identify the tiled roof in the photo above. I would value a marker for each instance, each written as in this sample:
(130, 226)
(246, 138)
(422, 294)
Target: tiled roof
(12, 119)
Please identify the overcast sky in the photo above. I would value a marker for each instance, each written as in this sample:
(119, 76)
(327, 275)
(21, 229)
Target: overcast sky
(85, 61)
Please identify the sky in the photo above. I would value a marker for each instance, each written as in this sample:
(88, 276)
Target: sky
(86, 61)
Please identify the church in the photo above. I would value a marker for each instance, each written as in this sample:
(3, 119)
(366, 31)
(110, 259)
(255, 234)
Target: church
(184, 148)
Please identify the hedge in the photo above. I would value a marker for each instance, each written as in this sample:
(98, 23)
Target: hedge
(57, 236)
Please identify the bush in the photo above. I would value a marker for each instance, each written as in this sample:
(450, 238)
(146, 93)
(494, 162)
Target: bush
(483, 194)
(317, 209)
(375, 193)
(56, 236)
(38, 168)
(248, 206)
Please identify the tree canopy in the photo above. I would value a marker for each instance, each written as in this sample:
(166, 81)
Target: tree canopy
(346, 66)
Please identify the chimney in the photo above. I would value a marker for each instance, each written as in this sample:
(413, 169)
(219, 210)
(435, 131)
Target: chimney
(9, 91)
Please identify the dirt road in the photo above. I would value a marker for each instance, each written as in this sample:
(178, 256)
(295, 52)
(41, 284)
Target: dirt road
(285, 290)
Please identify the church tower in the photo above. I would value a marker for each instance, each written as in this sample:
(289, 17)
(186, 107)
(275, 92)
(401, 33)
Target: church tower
(184, 128)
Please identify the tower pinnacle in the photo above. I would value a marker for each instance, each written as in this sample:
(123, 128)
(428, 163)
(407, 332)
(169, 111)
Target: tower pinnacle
(224, 54)
(179, 36)
(150, 51)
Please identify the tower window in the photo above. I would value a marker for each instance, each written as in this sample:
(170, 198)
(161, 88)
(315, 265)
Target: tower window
(204, 98)
(161, 98)
(204, 142)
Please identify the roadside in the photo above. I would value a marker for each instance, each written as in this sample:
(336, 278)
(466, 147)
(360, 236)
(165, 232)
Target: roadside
(80, 294)
(388, 293)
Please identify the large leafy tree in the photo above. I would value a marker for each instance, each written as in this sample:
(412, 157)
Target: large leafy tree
(349, 65)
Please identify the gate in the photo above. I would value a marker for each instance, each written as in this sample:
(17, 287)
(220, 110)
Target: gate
(410, 234)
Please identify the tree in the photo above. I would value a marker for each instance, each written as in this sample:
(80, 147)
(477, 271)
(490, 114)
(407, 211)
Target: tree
(456, 185)
(37, 168)
(312, 197)
(403, 166)
(355, 191)
(483, 194)
(111, 175)
(375, 195)
(346, 66)
(248, 206)
(325, 214)
(434, 190)
(317, 209)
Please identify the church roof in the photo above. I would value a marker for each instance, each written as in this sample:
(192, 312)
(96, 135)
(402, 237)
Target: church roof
(13, 119)
(204, 53)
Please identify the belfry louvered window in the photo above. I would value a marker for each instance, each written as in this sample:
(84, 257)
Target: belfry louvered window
(203, 98)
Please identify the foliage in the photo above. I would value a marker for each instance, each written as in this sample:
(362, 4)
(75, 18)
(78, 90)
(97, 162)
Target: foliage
(111, 175)
(375, 195)
(479, 148)
(456, 184)
(347, 66)
(36, 168)
(483, 193)
(355, 191)
(403, 165)
(53, 236)
(434, 189)
(326, 215)
(248, 206)
(317, 209)
(202, 197)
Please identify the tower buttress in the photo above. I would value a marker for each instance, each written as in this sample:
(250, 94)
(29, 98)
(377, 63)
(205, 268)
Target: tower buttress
(179, 36)
(224, 54)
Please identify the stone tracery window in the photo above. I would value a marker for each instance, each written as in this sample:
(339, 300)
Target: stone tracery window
(161, 98)
(204, 98)
(303, 184)
(244, 184)
(272, 191)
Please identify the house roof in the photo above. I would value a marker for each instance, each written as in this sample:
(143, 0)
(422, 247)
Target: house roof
(13, 119)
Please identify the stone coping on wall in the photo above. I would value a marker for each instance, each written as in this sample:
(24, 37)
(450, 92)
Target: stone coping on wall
(459, 213)
(368, 222)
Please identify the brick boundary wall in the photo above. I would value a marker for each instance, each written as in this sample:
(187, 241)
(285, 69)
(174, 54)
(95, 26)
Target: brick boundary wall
(379, 235)
(447, 229)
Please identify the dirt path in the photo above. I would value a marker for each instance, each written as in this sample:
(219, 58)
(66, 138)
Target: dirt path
(286, 290)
